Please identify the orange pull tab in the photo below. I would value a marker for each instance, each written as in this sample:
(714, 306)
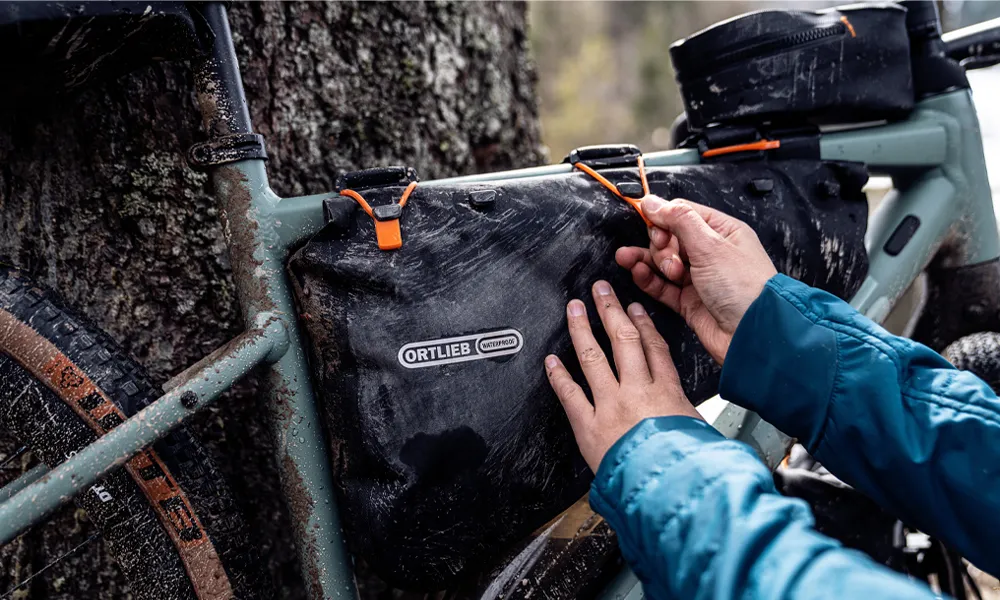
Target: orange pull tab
(388, 235)
(386, 217)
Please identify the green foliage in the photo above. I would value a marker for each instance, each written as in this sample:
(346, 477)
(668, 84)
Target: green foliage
(604, 68)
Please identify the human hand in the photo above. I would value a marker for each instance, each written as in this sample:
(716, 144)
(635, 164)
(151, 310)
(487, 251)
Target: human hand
(714, 266)
(647, 384)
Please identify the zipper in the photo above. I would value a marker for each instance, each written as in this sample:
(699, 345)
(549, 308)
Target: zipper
(766, 46)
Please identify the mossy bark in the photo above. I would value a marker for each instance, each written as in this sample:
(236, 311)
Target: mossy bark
(98, 203)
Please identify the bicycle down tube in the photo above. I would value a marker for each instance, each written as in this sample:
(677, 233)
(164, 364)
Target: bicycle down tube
(935, 158)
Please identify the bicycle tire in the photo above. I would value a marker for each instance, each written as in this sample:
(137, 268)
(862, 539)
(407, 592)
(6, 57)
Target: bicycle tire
(978, 353)
(167, 517)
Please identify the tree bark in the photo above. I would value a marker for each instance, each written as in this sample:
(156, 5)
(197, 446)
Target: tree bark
(98, 203)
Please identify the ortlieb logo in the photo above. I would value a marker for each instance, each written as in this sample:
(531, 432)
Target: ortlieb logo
(476, 346)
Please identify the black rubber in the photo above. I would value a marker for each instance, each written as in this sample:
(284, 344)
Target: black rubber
(132, 532)
(978, 353)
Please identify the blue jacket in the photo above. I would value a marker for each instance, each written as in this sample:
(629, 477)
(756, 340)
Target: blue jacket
(698, 515)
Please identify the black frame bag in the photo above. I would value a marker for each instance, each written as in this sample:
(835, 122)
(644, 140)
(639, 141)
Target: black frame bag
(428, 360)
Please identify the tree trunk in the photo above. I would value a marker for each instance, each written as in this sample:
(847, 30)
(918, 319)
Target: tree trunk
(98, 203)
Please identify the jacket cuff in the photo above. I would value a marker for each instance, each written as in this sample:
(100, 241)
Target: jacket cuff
(611, 480)
(781, 363)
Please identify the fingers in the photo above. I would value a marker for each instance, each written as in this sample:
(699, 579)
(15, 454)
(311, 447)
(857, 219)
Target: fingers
(655, 287)
(661, 366)
(669, 263)
(667, 260)
(592, 360)
(660, 239)
(686, 222)
(571, 395)
(628, 256)
(625, 339)
(716, 219)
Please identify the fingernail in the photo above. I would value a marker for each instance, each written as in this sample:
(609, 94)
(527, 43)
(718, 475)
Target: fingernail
(551, 362)
(636, 310)
(651, 204)
(603, 288)
(665, 265)
(650, 231)
(657, 236)
(576, 308)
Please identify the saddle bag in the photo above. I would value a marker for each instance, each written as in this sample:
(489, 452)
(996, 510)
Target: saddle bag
(448, 443)
(849, 64)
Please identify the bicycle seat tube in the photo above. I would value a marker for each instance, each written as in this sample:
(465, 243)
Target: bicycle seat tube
(257, 256)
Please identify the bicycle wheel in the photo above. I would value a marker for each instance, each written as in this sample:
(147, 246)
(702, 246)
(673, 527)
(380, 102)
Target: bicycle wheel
(978, 353)
(167, 517)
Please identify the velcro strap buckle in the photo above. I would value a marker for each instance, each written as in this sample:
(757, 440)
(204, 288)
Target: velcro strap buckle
(388, 233)
(742, 143)
(376, 177)
(607, 156)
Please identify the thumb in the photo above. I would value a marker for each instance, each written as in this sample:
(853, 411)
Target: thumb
(683, 221)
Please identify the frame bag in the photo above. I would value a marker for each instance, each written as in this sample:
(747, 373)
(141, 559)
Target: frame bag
(848, 64)
(447, 441)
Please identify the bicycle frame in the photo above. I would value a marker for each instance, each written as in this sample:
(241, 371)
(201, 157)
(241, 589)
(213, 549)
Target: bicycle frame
(935, 158)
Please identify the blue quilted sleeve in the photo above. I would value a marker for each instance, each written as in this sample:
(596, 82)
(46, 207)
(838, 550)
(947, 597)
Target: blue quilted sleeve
(885, 414)
(698, 517)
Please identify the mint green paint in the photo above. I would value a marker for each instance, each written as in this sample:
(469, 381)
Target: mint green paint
(951, 197)
(930, 197)
(301, 217)
(916, 142)
(114, 448)
(301, 453)
(746, 426)
(298, 218)
(27, 478)
(625, 586)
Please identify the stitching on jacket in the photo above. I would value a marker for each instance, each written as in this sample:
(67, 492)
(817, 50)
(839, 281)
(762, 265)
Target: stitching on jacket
(893, 354)
(989, 412)
(697, 492)
(902, 380)
(627, 450)
(959, 406)
(871, 341)
(675, 457)
(797, 302)
(845, 328)
(682, 508)
(838, 378)
(629, 500)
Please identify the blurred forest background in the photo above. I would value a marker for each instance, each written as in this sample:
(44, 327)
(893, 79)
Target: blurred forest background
(604, 72)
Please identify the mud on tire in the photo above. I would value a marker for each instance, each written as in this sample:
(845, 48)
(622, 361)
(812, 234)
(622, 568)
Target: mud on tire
(978, 353)
(167, 517)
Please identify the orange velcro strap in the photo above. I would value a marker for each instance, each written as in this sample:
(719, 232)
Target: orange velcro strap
(635, 203)
(752, 146)
(388, 234)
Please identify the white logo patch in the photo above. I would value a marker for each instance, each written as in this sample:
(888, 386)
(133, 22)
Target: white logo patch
(463, 348)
